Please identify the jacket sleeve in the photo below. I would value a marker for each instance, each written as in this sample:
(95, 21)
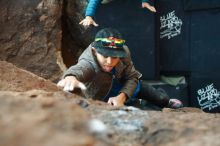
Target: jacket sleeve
(131, 80)
(131, 77)
(83, 71)
(91, 7)
(147, 1)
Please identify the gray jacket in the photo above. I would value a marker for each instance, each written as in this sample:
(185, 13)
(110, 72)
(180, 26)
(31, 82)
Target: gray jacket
(98, 82)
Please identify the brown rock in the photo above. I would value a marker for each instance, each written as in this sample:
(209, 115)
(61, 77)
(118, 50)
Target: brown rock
(35, 37)
(30, 35)
(24, 122)
(15, 79)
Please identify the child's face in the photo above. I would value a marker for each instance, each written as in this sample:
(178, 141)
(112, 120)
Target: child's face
(107, 63)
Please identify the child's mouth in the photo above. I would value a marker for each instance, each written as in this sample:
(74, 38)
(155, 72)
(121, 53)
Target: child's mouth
(107, 68)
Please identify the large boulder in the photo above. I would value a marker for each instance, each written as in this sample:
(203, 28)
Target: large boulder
(40, 35)
(31, 35)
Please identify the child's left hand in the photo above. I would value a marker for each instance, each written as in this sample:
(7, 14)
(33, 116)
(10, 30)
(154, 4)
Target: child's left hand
(148, 6)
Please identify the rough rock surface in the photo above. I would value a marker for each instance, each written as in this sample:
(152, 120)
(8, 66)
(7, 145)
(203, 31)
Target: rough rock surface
(48, 117)
(15, 79)
(42, 36)
(31, 35)
(39, 118)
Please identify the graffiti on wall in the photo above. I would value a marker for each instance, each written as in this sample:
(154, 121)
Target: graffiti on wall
(170, 25)
(208, 97)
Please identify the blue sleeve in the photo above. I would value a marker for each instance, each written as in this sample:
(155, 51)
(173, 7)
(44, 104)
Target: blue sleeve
(91, 7)
(145, 1)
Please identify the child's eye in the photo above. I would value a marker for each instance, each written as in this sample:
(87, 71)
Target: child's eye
(105, 56)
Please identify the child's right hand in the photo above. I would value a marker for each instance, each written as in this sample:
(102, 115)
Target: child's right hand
(69, 83)
(88, 21)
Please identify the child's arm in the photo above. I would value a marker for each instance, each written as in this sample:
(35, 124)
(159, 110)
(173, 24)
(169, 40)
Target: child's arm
(76, 75)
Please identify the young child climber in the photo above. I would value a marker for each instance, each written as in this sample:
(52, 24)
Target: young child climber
(92, 6)
(105, 72)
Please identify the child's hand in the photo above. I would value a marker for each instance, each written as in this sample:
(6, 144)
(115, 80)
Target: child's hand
(117, 100)
(88, 21)
(148, 6)
(69, 83)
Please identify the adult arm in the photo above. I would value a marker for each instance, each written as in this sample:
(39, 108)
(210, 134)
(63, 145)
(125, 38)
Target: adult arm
(146, 4)
(90, 13)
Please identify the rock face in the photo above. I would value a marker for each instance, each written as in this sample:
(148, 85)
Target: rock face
(43, 115)
(31, 35)
(16, 79)
(40, 118)
(42, 36)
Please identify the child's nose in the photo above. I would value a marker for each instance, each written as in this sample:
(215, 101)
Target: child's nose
(109, 60)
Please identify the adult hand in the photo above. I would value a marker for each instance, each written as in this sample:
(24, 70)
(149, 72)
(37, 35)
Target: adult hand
(88, 21)
(118, 100)
(69, 83)
(148, 6)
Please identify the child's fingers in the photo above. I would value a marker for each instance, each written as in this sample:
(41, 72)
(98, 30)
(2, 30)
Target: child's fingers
(152, 9)
(68, 86)
(81, 86)
(61, 83)
(80, 22)
(95, 24)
